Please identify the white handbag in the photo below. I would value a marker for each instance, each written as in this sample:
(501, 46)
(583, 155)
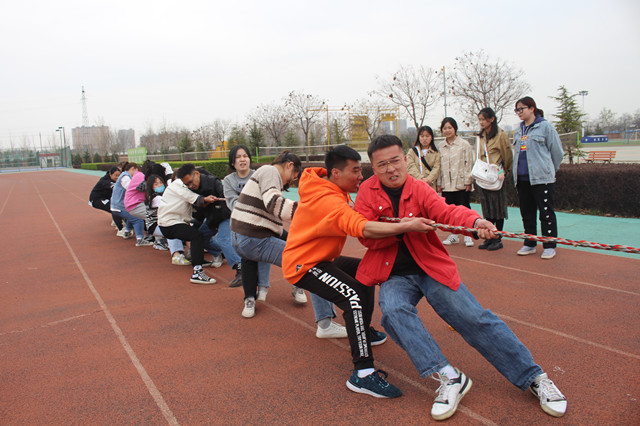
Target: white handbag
(486, 174)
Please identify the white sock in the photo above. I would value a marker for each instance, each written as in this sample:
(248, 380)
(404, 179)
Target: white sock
(449, 371)
(197, 268)
(365, 372)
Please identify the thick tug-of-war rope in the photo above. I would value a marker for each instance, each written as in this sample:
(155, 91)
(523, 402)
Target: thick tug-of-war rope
(581, 243)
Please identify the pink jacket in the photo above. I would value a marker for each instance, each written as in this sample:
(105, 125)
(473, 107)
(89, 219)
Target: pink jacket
(417, 200)
(133, 197)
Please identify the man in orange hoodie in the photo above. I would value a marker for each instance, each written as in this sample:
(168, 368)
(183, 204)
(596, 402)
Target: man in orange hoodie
(311, 259)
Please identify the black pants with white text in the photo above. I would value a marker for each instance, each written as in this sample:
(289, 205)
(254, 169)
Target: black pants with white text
(335, 281)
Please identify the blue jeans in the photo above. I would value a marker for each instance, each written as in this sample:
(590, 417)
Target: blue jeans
(269, 250)
(218, 242)
(480, 327)
(132, 221)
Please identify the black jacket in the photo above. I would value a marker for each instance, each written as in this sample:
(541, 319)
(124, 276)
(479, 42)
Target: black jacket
(215, 212)
(103, 189)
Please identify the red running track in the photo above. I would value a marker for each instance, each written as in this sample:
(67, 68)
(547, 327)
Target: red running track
(94, 330)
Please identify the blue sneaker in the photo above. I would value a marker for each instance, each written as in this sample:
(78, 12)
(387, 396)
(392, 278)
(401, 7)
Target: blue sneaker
(373, 384)
(377, 337)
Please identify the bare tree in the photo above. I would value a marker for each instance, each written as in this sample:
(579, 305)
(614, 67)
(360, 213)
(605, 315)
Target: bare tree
(205, 135)
(220, 129)
(415, 90)
(477, 82)
(305, 110)
(273, 119)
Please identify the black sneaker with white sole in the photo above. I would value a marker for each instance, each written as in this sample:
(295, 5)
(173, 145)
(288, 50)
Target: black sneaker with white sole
(373, 384)
(199, 277)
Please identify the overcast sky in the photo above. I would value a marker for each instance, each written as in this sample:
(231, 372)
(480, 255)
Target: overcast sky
(186, 63)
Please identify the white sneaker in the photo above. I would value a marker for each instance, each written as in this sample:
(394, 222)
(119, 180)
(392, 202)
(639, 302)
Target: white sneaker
(120, 233)
(552, 400)
(468, 241)
(450, 393)
(452, 239)
(262, 293)
(525, 250)
(298, 295)
(249, 310)
(216, 262)
(127, 235)
(548, 253)
(334, 331)
(179, 259)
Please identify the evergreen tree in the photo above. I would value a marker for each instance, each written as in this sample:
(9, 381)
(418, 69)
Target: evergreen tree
(86, 157)
(256, 137)
(569, 116)
(184, 144)
(237, 136)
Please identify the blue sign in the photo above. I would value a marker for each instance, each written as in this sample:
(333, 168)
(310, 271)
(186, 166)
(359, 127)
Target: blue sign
(593, 139)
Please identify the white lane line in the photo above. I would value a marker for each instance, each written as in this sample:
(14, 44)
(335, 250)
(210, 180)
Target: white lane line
(569, 336)
(7, 199)
(396, 374)
(49, 324)
(151, 387)
(601, 287)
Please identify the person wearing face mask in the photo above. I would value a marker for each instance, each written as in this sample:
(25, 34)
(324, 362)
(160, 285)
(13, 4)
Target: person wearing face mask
(155, 186)
(456, 162)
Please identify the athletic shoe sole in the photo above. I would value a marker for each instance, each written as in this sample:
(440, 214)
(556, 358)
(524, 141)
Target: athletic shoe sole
(195, 281)
(357, 389)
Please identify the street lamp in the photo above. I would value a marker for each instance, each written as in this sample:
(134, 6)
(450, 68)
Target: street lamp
(64, 145)
(583, 93)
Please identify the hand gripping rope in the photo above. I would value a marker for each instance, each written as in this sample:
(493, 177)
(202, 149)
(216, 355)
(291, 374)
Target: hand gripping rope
(581, 243)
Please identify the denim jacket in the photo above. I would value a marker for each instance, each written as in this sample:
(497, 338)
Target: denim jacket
(544, 153)
(117, 196)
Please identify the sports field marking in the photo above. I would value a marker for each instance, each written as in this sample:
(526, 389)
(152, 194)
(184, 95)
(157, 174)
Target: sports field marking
(6, 200)
(49, 324)
(569, 336)
(151, 387)
(547, 276)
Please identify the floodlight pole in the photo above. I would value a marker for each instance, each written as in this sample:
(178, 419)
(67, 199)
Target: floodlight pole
(64, 146)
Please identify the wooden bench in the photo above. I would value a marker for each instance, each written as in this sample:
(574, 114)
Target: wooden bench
(605, 156)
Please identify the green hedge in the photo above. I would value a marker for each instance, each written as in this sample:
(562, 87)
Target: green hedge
(91, 166)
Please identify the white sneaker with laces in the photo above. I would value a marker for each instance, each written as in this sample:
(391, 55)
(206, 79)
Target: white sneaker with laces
(298, 295)
(451, 239)
(262, 293)
(120, 233)
(249, 310)
(548, 253)
(552, 400)
(199, 277)
(216, 262)
(179, 259)
(334, 331)
(468, 241)
(525, 250)
(449, 393)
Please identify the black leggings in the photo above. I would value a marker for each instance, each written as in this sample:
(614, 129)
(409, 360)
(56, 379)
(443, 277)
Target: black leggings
(335, 281)
(185, 232)
(106, 206)
(458, 198)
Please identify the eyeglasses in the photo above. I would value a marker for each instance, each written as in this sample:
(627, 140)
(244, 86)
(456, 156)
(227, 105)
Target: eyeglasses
(519, 110)
(383, 166)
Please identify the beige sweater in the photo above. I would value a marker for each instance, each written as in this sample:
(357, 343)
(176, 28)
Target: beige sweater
(456, 162)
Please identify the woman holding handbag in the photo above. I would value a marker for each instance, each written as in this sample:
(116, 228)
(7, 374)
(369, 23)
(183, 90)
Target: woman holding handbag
(456, 161)
(423, 160)
(494, 149)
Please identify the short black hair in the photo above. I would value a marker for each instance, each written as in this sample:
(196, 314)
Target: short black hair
(383, 142)
(234, 152)
(336, 158)
(451, 121)
(185, 170)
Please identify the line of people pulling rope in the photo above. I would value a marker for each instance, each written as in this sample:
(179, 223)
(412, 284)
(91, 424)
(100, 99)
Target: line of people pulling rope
(405, 258)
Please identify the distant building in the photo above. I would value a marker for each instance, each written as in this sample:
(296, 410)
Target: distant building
(89, 138)
(126, 139)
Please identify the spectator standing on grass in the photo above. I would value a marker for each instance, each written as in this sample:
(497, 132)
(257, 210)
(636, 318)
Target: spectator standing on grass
(174, 218)
(118, 208)
(100, 197)
(312, 260)
(233, 183)
(537, 157)
(494, 203)
(259, 234)
(416, 265)
(424, 159)
(456, 162)
(215, 223)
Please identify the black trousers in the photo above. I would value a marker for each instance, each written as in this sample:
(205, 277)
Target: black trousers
(457, 198)
(335, 281)
(533, 199)
(185, 232)
(106, 206)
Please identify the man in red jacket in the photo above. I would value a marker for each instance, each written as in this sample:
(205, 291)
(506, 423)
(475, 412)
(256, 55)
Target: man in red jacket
(416, 265)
